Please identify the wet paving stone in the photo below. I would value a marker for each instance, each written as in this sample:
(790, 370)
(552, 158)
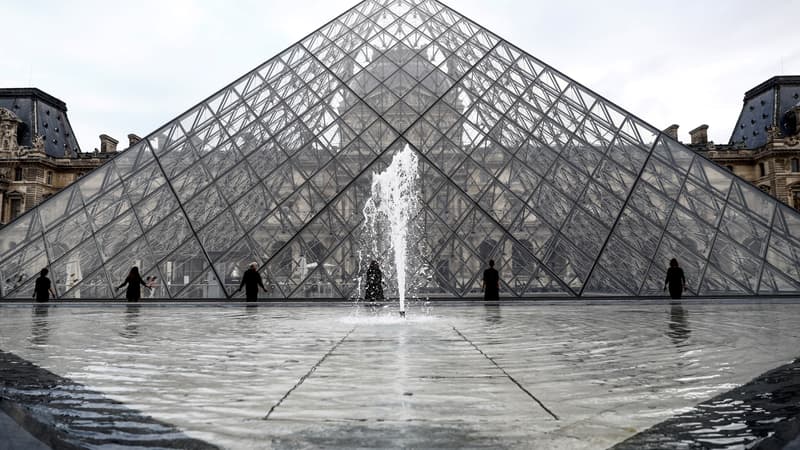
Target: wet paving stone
(66, 415)
(563, 375)
(745, 417)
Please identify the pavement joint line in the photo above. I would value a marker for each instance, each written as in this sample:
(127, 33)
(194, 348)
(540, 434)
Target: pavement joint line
(513, 380)
(308, 374)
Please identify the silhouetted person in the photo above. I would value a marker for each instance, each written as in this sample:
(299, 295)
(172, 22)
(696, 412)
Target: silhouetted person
(491, 283)
(675, 279)
(43, 288)
(251, 280)
(134, 281)
(374, 292)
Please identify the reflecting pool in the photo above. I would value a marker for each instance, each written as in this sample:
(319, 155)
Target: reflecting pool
(561, 375)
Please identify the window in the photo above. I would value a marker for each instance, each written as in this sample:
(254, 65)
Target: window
(795, 165)
(764, 188)
(796, 197)
(762, 170)
(16, 207)
(729, 168)
(49, 178)
(18, 174)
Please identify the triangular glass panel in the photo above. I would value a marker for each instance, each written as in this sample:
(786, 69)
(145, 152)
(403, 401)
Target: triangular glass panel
(204, 285)
(773, 282)
(603, 284)
(91, 286)
(736, 262)
(22, 265)
(168, 234)
(691, 231)
(568, 263)
(70, 270)
(702, 202)
(183, 267)
(119, 233)
(513, 158)
(21, 231)
(715, 282)
(707, 172)
(622, 259)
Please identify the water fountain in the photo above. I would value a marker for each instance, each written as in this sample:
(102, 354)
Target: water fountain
(387, 213)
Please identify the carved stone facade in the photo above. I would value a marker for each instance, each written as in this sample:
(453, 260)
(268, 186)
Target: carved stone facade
(765, 145)
(28, 174)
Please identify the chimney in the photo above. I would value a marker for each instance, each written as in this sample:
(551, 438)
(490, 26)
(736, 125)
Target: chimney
(699, 135)
(133, 140)
(108, 144)
(672, 131)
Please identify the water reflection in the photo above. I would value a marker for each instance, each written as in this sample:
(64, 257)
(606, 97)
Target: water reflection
(131, 328)
(40, 325)
(678, 324)
(492, 311)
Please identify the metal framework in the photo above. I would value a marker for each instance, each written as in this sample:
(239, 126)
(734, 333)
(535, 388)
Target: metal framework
(570, 194)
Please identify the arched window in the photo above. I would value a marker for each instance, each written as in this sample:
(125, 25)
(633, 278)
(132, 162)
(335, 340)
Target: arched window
(764, 188)
(795, 165)
(16, 207)
(762, 170)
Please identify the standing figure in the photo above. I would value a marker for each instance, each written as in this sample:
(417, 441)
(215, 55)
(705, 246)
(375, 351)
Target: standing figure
(374, 292)
(43, 288)
(251, 280)
(491, 283)
(134, 280)
(675, 279)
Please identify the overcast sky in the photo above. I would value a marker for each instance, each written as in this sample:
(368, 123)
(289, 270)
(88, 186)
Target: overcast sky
(130, 67)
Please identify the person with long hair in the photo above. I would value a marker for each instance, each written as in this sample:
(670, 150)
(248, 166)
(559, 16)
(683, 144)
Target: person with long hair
(134, 281)
(675, 279)
(374, 291)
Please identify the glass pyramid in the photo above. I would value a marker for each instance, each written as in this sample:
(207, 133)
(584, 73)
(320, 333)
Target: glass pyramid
(569, 193)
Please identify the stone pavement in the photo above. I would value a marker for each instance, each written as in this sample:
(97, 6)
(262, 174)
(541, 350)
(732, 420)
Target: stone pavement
(768, 407)
(57, 411)
(480, 376)
(14, 437)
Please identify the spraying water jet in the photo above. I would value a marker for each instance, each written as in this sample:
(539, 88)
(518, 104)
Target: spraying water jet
(389, 209)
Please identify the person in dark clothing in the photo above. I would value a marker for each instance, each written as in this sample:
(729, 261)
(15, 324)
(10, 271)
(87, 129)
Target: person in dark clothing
(675, 279)
(374, 292)
(43, 288)
(491, 283)
(134, 281)
(251, 280)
